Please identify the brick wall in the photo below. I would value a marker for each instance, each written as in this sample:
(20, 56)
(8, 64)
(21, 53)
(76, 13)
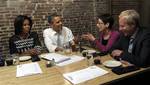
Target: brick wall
(78, 15)
(119, 5)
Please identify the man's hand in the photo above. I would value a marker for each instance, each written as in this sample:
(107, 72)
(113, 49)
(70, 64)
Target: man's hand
(58, 49)
(116, 53)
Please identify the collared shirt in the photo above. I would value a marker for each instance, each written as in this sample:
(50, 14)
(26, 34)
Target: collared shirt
(51, 37)
(132, 38)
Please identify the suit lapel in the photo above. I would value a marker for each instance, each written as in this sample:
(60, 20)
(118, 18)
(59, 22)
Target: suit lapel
(137, 40)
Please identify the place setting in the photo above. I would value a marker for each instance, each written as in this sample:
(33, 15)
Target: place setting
(112, 63)
(24, 58)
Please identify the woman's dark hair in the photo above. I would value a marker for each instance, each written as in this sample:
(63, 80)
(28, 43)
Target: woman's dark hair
(18, 23)
(107, 18)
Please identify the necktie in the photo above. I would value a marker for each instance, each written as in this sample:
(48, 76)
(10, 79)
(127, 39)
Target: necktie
(58, 40)
(130, 45)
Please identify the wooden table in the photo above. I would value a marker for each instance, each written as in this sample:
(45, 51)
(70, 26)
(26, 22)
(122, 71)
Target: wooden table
(53, 75)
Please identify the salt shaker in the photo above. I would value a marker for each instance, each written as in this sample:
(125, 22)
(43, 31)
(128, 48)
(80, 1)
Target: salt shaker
(51, 63)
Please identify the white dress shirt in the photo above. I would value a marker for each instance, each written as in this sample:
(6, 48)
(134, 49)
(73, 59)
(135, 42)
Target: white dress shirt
(50, 38)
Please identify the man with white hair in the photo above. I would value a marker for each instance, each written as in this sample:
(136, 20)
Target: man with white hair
(134, 43)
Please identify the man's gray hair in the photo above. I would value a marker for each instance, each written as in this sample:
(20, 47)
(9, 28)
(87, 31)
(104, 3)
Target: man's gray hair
(131, 16)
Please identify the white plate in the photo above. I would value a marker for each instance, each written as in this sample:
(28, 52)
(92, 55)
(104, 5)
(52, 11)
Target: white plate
(89, 51)
(112, 63)
(24, 58)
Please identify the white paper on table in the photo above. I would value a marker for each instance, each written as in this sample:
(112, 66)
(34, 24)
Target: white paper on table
(73, 58)
(84, 74)
(57, 57)
(28, 69)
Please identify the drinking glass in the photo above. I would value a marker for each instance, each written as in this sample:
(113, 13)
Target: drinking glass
(90, 60)
(84, 53)
(16, 60)
(9, 60)
(67, 48)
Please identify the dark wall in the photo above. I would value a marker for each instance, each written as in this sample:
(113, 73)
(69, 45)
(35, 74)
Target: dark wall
(145, 13)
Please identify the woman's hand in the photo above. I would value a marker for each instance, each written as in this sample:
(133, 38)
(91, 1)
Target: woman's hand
(33, 52)
(88, 36)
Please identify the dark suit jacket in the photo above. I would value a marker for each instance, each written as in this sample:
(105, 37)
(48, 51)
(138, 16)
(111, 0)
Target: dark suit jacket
(140, 55)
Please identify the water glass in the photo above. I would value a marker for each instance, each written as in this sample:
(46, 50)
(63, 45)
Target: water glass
(9, 60)
(12, 59)
(67, 48)
(84, 53)
(90, 60)
(16, 60)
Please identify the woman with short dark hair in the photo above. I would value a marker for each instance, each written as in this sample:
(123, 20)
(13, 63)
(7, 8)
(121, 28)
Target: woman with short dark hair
(107, 36)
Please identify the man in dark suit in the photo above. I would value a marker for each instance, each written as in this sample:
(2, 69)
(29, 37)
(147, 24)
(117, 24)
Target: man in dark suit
(134, 43)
